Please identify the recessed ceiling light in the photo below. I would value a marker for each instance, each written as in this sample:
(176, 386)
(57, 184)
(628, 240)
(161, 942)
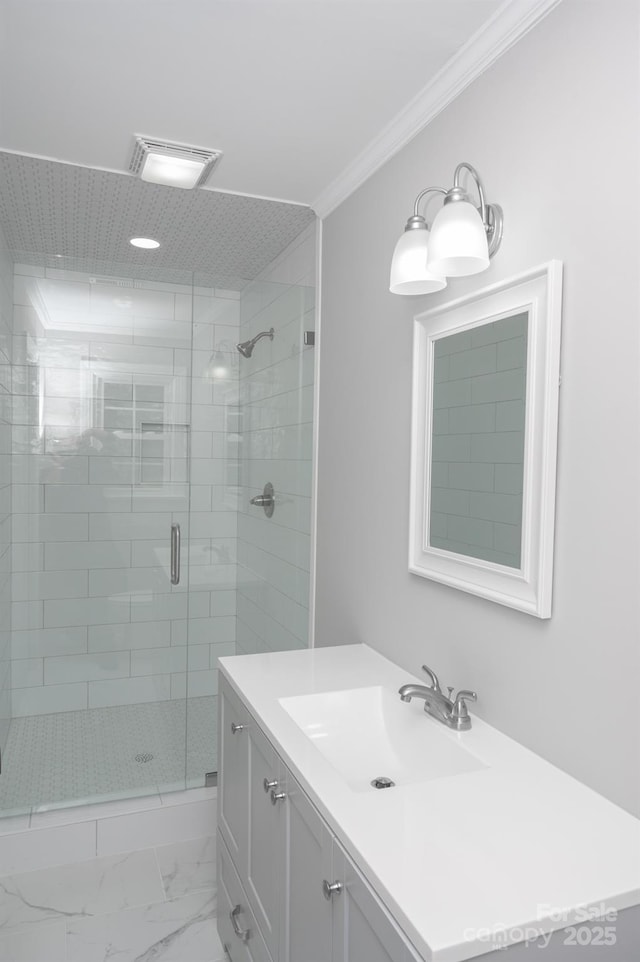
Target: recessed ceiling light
(146, 242)
(172, 164)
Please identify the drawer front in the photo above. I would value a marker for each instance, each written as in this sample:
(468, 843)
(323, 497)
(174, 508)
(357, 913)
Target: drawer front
(237, 926)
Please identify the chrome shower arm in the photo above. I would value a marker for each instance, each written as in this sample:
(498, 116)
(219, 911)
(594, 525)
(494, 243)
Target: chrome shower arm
(246, 347)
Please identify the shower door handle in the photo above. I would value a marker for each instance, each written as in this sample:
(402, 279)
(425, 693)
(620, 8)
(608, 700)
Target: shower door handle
(175, 554)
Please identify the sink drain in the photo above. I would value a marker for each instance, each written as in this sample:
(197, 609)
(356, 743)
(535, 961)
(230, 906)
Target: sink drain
(382, 782)
(143, 757)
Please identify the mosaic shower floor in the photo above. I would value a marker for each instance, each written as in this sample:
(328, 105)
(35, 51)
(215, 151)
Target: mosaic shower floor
(106, 753)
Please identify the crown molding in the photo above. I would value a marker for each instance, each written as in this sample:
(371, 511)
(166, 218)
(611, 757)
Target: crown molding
(507, 25)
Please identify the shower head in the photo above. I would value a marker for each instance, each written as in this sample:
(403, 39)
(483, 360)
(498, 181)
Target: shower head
(246, 347)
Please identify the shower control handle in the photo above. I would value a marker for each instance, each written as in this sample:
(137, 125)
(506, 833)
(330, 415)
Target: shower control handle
(236, 728)
(277, 797)
(175, 554)
(265, 500)
(267, 785)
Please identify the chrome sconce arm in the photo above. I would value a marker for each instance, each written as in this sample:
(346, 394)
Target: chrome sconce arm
(490, 214)
(417, 220)
(463, 238)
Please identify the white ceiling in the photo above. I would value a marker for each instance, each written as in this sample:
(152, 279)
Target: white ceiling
(82, 219)
(291, 90)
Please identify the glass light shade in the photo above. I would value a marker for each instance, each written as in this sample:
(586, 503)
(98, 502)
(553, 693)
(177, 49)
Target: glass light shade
(171, 171)
(409, 273)
(217, 367)
(458, 243)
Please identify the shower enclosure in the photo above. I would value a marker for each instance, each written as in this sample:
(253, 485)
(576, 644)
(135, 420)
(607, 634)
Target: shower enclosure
(138, 436)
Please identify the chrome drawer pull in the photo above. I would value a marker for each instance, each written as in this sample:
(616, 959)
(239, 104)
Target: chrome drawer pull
(243, 934)
(236, 728)
(267, 785)
(277, 797)
(330, 889)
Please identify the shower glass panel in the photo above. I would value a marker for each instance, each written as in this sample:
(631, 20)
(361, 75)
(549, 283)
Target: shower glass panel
(102, 439)
(276, 389)
(260, 429)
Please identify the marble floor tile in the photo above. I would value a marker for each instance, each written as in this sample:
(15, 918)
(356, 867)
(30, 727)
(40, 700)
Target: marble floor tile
(45, 942)
(97, 887)
(188, 867)
(183, 930)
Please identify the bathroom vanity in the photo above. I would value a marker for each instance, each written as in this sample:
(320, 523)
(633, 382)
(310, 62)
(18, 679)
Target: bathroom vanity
(476, 845)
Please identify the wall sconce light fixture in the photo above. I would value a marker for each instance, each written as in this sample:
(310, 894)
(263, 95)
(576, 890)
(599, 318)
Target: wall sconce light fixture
(462, 239)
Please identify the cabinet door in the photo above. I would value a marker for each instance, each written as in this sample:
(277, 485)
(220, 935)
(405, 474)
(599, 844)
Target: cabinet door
(237, 927)
(306, 923)
(265, 854)
(363, 930)
(233, 786)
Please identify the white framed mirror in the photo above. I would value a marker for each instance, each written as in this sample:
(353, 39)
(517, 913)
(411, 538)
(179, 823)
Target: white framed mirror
(486, 373)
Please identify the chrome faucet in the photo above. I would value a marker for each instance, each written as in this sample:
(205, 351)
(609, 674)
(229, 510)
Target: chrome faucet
(451, 711)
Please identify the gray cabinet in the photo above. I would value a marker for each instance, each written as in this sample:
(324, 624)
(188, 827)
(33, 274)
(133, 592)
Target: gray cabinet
(233, 785)
(363, 930)
(307, 914)
(264, 873)
(250, 821)
(239, 933)
(277, 859)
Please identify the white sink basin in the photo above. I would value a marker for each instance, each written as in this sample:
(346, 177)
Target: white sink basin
(366, 733)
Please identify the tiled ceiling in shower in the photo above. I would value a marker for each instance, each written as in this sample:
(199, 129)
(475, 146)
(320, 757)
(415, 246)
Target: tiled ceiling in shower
(77, 215)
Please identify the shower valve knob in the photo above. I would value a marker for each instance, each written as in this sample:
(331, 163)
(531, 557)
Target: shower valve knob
(265, 500)
(260, 500)
(236, 728)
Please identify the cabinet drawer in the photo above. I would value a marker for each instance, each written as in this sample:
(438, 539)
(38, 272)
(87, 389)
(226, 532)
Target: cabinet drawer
(237, 926)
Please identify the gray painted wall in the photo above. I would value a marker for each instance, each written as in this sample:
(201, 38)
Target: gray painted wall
(554, 118)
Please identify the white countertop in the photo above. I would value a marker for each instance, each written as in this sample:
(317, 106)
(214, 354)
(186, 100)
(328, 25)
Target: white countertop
(453, 858)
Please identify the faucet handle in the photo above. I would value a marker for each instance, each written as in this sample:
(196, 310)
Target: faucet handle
(435, 684)
(460, 705)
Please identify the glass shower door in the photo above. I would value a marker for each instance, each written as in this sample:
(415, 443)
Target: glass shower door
(258, 424)
(101, 488)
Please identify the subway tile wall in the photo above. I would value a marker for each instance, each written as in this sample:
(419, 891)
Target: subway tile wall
(105, 446)
(478, 441)
(6, 332)
(276, 391)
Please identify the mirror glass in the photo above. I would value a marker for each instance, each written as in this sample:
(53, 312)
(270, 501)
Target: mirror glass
(477, 452)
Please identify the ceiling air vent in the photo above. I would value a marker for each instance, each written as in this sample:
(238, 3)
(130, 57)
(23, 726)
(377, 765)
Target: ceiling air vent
(171, 164)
